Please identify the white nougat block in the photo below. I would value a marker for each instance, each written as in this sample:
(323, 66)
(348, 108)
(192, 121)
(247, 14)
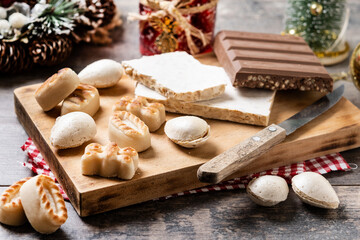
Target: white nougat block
(242, 105)
(178, 75)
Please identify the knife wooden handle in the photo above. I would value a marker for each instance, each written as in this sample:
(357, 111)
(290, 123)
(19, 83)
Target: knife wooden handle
(241, 154)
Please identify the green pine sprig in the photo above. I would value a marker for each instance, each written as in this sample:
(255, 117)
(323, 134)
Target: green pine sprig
(57, 18)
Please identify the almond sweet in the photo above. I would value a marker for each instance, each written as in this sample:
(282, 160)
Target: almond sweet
(102, 74)
(268, 190)
(43, 204)
(187, 131)
(127, 130)
(178, 75)
(84, 99)
(56, 88)
(153, 114)
(109, 161)
(72, 130)
(11, 209)
(312, 188)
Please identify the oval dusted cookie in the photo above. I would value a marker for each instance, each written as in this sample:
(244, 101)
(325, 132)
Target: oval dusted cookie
(109, 161)
(268, 190)
(56, 88)
(84, 99)
(72, 130)
(314, 189)
(103, 73)
(127, 130)
(43, 204)
(153, 114)
(187, 131)
(11, 209)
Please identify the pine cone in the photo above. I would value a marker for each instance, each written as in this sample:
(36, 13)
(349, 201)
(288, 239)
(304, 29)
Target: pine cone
(51, 50)
(14, 57)
(98, 13)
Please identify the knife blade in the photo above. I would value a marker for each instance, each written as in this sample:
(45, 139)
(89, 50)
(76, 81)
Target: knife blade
(249, 150)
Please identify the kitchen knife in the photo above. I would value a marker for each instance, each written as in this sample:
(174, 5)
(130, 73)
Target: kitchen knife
(249, 150)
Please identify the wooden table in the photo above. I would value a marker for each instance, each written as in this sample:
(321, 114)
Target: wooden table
(219, 215)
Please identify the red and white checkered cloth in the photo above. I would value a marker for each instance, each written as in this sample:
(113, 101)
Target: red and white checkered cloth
(322, 165)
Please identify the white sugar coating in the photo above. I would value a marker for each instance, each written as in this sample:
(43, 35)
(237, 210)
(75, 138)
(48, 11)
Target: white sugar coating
(315, 186)
(4, 25)
(17, 20)
(186, 128)
(246, 100)
(269, 188)
(72, 130)
(102, 73)
(179, 72)
(3, 13)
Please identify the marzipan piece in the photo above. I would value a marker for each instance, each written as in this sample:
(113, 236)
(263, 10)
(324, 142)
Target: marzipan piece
(153, 114)
(109, 161)
(43, 204)
(11, 209)
(84, 99)
(127, 130)
(56, 88)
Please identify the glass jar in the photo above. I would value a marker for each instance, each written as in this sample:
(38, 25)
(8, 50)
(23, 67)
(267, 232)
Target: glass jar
(322, 24)
(166, 34)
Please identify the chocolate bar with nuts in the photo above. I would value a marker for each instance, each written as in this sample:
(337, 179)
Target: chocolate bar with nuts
(271, 61)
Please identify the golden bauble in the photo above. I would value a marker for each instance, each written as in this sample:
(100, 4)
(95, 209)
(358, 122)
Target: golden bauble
(292, 32)
(316, 8)
(355, 66)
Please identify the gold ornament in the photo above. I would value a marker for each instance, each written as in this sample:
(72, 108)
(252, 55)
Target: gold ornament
(354, 71)
(166, 41)
(292, 32)
(316, 8)
(355, 66)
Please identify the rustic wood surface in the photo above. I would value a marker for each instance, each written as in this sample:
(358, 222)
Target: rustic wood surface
(220, 215)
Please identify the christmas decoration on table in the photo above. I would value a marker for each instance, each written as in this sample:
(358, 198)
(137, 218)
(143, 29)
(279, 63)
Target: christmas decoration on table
(354, 69)
(355, 66)
(322, 24)
(176, 25)
(44, 32)
(95, 23)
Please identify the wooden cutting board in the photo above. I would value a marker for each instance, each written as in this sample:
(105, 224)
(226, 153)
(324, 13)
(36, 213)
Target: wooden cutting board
(166, 168)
